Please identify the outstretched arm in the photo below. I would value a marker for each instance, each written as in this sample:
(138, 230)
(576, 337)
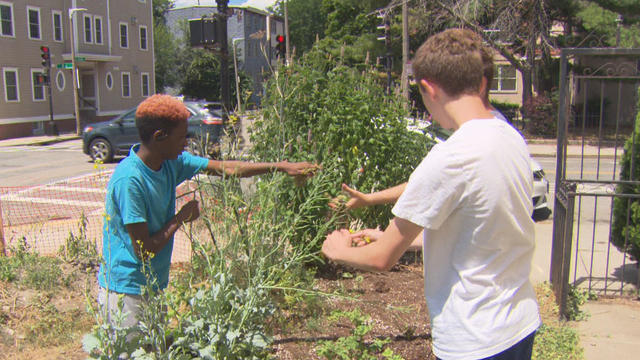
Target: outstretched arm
(247, 169)
(387, 196)
(380, 255)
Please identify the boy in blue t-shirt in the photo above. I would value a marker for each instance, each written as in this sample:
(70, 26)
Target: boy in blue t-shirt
(140, 204)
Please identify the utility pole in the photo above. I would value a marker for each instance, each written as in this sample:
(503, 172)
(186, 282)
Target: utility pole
(223, 9)
(287, 56)
(74, 73)
(405, 54)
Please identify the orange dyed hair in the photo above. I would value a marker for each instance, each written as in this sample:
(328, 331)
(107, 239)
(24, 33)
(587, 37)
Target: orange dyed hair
(159, 112)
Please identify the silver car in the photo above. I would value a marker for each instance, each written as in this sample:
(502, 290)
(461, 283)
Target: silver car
(541, 209)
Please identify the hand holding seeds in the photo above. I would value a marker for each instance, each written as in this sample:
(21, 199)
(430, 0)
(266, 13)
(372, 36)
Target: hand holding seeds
(365, 237)
(189, 212)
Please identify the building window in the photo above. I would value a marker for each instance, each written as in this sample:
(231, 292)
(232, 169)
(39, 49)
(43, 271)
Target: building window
(145, 84)
(6, 19)
(109, 81)
(56, 17)
(60, 81)
(11, 89)
(88, 29)
(504, 78)
(98, 29)
(143, 38)
(124, 35)
(33, 18)
(37, 88)
(126, 84)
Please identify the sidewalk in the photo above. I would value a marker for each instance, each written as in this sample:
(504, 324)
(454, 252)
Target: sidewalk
(38, 140)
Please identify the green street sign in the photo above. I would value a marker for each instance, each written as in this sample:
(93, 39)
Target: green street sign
(80, 58)
(64, 66)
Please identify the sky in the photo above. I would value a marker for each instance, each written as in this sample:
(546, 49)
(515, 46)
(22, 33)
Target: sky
(258, 4)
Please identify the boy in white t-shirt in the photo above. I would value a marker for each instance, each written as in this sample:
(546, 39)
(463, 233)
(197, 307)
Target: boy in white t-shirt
(472, 196)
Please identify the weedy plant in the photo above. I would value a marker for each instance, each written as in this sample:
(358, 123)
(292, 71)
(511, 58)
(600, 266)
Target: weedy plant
(355, 346)
(78, 250)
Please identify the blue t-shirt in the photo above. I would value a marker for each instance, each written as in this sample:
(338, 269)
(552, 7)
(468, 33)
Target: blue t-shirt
(137, 194)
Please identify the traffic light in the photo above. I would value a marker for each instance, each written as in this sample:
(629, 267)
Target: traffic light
(281, 45)
(46, 56)
(42, 79)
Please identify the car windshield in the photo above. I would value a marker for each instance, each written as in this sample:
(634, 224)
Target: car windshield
(203, 109)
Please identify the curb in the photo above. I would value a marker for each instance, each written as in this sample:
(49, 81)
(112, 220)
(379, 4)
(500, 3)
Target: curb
(586, 156)
(53, 141)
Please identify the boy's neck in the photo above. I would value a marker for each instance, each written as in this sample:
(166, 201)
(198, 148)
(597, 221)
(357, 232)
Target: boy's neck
(149, 157)
(464, 108)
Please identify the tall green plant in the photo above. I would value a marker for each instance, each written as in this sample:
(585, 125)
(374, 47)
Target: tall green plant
(625, 231)
(320, 110)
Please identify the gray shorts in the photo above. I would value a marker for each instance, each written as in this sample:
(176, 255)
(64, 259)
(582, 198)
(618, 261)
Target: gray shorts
(108, 303)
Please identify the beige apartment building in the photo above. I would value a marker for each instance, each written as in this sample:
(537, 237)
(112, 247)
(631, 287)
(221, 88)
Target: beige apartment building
(113, 43)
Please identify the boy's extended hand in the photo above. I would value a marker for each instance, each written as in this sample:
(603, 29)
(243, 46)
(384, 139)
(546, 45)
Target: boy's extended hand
(189, 212)
(356, 199)
(365, 237)
(299, 169)
(336, 243)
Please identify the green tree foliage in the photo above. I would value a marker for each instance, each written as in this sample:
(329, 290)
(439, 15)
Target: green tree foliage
(164, 46)
(322, 111)
(600, 17)
(201, 79)
(307, 19)
(165, 49)
(625, 229)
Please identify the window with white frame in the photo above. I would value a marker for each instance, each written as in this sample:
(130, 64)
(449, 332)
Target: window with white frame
(124, 35)
(97, 21)
(88, 29)
(11, 87)
(6, 19)
(56, 22)
(37, 87)
(143, 38)
(60, 80)
(126, 84)
(33, 19)
(145, 84)
(504, 78)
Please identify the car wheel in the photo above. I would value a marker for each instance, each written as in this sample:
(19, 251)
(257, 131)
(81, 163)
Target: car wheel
(100, 149)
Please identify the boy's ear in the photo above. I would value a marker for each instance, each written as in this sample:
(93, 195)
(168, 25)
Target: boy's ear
(159, 135)
(427, 87)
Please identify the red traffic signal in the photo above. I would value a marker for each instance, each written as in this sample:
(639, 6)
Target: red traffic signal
(281, 45)
(46, 56)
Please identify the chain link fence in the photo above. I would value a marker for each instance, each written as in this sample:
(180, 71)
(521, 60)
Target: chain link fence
(43, 217)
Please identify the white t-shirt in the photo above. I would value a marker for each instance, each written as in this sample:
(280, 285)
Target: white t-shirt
(472, 194)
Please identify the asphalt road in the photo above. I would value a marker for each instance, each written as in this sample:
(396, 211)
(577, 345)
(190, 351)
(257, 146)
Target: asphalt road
(38, 165)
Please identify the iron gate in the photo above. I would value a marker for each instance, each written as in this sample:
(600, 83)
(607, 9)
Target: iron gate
(597, 109)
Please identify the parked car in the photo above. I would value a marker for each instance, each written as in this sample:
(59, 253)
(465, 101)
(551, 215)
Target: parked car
(105, 140)
(540, 183)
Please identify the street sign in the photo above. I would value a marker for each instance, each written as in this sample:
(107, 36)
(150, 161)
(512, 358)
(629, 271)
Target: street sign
(80, 58)
(64, 66)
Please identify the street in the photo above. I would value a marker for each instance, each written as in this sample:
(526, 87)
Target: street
(39, 165)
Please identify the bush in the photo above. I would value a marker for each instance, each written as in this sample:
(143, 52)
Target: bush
(321, 111)
(540, 114)
(625, 232)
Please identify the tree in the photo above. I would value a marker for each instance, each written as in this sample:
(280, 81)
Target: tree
(164, 46)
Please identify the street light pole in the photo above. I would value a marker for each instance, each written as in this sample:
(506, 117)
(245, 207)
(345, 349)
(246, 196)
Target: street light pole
(76, 106)
(235, 68)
